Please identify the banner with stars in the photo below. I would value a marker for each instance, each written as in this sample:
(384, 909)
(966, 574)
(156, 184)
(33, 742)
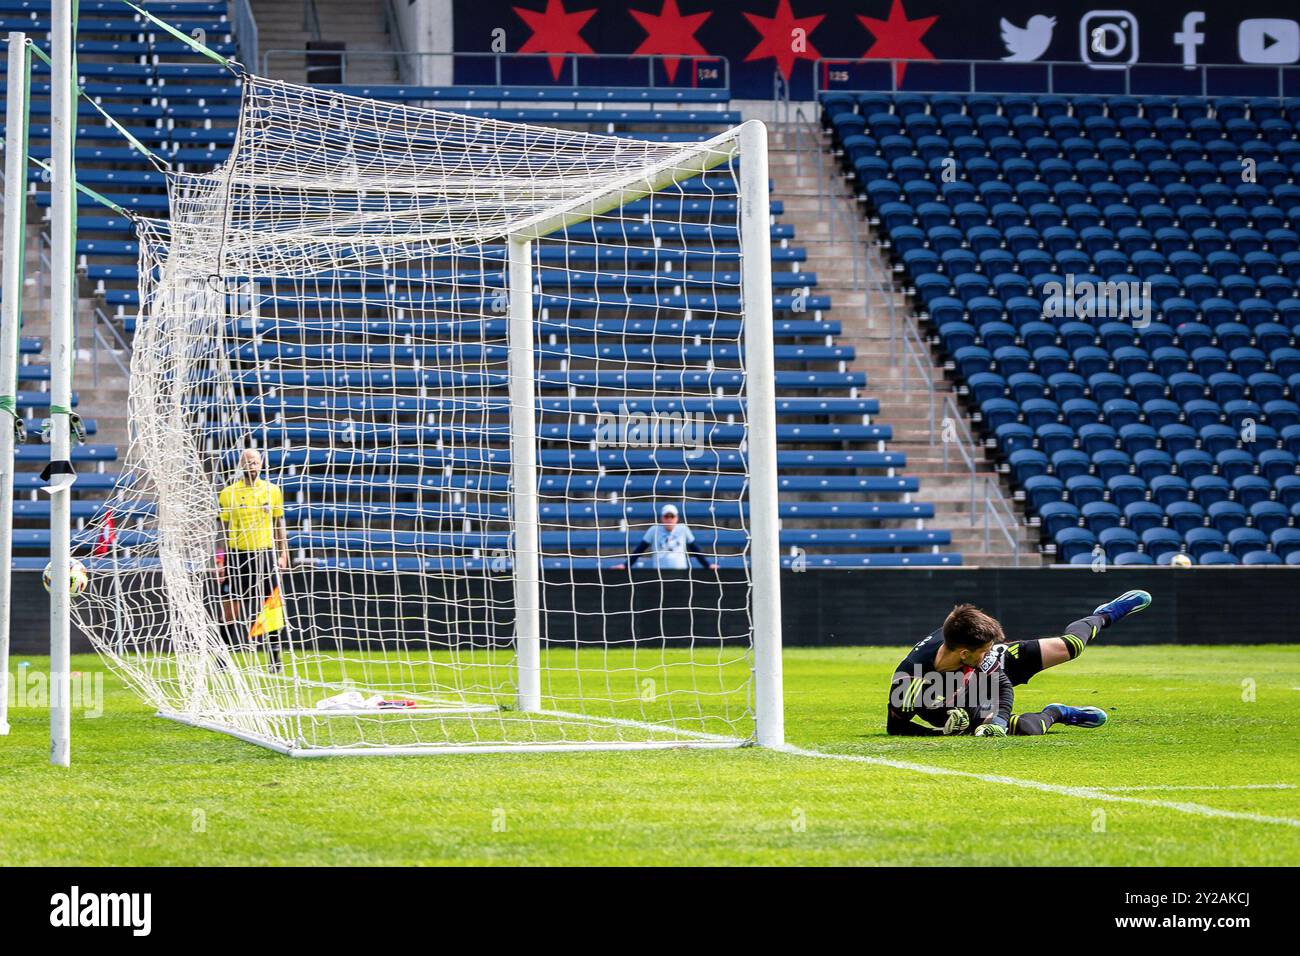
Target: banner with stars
(765, 39)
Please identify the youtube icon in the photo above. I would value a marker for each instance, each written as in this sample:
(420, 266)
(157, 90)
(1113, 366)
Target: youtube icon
(1269, 40)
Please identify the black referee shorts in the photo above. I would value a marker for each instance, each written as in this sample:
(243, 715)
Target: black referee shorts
(251, 576)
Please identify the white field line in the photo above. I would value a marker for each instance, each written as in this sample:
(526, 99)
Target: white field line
(1200, 786)
(1085, 793)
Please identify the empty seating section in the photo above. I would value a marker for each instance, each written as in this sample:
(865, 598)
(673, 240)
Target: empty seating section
(846, 499)
(1171, 426)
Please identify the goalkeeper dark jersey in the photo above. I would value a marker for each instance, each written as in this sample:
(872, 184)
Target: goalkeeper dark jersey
(918, 690)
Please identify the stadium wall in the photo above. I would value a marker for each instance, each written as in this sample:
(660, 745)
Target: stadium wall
(849, 607)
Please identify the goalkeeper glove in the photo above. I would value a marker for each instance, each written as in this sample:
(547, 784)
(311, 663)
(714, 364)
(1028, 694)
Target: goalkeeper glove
(994, 727)
(957, 722)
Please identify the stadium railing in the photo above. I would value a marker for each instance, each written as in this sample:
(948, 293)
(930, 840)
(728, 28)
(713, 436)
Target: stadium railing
(604, 73)
(838, 74)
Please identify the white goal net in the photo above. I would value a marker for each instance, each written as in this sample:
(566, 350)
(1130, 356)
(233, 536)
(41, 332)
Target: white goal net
(441, 439)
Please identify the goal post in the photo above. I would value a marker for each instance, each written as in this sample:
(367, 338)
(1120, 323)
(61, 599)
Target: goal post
(760, 386)
(523, 473)
(515, 389)
(63, 302)
(11, 297)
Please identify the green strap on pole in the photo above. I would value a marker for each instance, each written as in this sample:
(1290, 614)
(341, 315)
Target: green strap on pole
(159, 163)
(86, 190)
(232, 65)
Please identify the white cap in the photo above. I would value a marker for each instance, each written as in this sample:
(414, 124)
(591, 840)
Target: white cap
(668, 510)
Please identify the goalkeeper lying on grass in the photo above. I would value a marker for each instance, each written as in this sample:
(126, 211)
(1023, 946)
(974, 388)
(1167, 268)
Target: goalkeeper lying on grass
(960, 679)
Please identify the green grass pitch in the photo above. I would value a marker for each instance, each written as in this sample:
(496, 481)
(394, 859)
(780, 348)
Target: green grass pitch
(1193, 730)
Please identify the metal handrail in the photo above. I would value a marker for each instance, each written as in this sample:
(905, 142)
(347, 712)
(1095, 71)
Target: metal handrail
(393, 26)
(983, 488)
(994, 504)
(112, 345)
(43, 277)
(241, 17)
(1050, 68)
(915, 354)
(572, 60)
(780, 98)
(906, 350)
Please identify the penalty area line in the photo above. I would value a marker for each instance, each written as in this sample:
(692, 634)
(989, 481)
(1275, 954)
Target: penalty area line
(1085, 793)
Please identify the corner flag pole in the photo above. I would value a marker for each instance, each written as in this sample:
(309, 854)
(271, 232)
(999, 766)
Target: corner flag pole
(59, 476)
(11, 299)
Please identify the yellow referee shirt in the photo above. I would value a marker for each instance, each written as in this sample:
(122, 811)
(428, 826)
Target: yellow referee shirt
(249, 513)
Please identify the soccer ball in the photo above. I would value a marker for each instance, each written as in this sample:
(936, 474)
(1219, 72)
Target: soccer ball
(1180, 560)
(78, 578)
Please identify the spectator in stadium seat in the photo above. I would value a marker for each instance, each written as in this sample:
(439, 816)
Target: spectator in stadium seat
(669, 543)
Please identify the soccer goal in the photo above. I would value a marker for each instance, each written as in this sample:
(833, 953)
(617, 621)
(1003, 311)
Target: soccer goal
(482, 363)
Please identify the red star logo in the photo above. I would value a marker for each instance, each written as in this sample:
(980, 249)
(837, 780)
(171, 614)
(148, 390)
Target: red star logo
(670, 32)
(555, 31)
(785, 37)
(898, 38)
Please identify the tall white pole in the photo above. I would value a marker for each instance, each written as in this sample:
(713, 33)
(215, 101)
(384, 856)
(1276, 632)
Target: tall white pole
(760, 395)
(63, 119)
(10, 321)
(523, 476)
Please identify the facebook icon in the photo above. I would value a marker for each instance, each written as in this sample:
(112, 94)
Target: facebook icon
(1189, 38)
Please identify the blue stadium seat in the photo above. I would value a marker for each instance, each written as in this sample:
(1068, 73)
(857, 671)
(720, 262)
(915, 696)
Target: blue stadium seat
(1073, 543)
(1099, 516)
(1126, 489)
(1169, 489)
(1133, 558)
(1117, 541)
(1161, 542)
(1083, 489)
(1260, 558)
(1226, 516)
(1216, 558)
(1203, 541)
(1057, 516)
(1141, 516)
(1208, 489)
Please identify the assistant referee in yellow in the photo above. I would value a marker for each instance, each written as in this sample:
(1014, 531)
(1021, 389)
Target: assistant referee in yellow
(257, 548)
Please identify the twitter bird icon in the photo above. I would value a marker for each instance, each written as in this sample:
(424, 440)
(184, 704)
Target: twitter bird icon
(1030, 41)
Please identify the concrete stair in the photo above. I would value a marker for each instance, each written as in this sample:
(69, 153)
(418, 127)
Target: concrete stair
(834, 251)
(102, 393)
(358, 23)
